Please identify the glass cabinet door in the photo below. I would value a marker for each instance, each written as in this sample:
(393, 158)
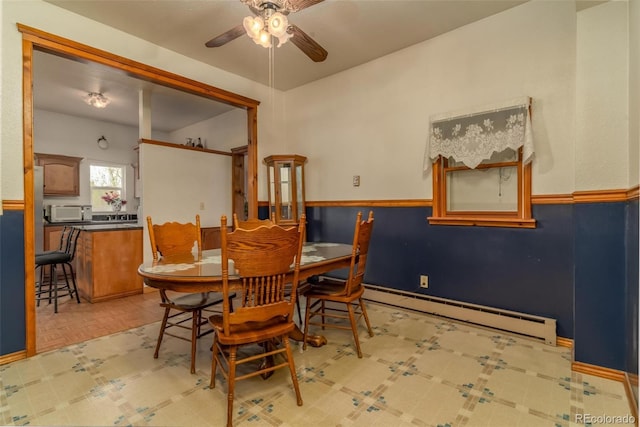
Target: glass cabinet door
(286, 187)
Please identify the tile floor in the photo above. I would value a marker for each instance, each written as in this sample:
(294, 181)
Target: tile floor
(418, 370)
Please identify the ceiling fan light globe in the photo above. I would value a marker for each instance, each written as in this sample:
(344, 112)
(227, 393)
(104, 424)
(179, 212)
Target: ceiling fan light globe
(284, 38)
(264, 39)
(278, 24)
(253, 26)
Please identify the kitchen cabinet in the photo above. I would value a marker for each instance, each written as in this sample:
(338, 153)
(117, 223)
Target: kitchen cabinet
(107, 261)
(52, 234)
(61, 174)
(286, 187)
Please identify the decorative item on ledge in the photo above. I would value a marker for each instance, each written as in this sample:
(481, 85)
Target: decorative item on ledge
(116, 206)
(114, 200)
(184, 146)
(195, 143)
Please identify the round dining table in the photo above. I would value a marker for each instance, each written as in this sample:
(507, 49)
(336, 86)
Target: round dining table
(202, 272)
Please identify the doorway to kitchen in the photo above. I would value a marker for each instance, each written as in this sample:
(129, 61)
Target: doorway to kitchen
(34, 39)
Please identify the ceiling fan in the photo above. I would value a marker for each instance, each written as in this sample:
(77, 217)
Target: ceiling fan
(271, 21)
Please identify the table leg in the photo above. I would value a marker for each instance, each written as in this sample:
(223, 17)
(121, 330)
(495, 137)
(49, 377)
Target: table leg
(312, 340)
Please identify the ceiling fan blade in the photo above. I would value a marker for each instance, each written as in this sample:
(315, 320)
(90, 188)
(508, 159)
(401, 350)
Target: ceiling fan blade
(225, 38)
(306, 44)
(297, 5)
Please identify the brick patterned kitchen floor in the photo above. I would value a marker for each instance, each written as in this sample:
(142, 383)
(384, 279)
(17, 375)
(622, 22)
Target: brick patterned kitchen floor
(75, 323)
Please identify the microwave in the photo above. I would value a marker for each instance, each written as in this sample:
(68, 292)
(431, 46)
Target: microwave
(69, 213)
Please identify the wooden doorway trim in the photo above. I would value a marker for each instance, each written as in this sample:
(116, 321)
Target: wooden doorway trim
(34, 39)
(238, 182)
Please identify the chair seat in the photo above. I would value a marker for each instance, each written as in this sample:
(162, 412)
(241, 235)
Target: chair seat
(52, 257)
(333, 289)
(196, 301)
(247, 332)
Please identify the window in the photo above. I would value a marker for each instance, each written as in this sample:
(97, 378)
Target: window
(482, 166)
(104, 178)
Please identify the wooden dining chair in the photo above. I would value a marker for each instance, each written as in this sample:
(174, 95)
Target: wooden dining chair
(262, 260)
(349, 293)
(173, 238)
(251, 223)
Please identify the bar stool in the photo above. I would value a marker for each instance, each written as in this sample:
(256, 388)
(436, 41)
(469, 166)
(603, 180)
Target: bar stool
(62, 257)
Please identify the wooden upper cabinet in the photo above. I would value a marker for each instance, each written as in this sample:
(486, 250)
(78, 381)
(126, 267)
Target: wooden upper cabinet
(61, 174)
(286, 187)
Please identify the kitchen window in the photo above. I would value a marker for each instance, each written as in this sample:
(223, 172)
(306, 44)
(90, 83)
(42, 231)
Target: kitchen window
(105, 178)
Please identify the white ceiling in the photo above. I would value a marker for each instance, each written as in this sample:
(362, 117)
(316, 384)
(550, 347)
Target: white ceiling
(352, 31)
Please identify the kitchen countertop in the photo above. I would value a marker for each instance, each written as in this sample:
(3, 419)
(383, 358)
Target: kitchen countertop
(86, 223)
(111, 226)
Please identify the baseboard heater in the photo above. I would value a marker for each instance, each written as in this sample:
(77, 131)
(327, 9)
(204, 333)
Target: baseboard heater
(539, 328)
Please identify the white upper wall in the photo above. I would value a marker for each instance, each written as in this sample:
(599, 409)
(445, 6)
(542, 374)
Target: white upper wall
(222, 132)
(602, 87)
(49, 18)
(634, 92)
(177, 184)
(373, 120)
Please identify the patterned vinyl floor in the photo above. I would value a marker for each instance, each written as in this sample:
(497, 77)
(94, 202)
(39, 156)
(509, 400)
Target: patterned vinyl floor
(417, 370)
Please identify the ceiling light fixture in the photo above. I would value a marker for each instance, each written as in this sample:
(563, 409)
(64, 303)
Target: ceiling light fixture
(97, 100)
(269, 22)
(103, 143)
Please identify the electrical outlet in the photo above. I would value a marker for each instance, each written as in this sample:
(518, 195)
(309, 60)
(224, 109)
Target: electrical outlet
(356, 180)
(424, 281)
(201, 206)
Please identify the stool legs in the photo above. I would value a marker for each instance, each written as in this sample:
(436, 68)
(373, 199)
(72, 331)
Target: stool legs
(53, 287)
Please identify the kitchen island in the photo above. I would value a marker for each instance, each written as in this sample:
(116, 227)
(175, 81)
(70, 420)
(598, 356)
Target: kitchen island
(107, 260)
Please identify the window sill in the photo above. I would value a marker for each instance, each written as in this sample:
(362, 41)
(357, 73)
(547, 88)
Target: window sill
(483, 222)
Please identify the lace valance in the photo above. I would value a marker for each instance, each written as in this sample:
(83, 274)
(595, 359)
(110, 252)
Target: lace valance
(473, 136)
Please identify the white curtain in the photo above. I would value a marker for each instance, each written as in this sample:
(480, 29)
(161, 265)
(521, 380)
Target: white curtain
(474, 135)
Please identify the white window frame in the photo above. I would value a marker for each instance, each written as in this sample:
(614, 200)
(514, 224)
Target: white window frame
(122, 190)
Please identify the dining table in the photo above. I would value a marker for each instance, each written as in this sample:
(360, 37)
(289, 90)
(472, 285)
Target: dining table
(202, 272)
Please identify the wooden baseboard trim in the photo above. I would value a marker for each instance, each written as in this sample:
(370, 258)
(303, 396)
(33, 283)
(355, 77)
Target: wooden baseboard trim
(564, 342)
(12, 357)
(631, 381)
(598, 371)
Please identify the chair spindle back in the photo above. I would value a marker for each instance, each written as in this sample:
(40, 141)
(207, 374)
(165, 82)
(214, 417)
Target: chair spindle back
(263, 258)
(360, 252)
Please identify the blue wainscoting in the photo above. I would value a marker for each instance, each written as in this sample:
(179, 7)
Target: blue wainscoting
(12, 298)
(600, 283)
(631, 294)
(579, 266)
(526, 270)
(533, 271)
